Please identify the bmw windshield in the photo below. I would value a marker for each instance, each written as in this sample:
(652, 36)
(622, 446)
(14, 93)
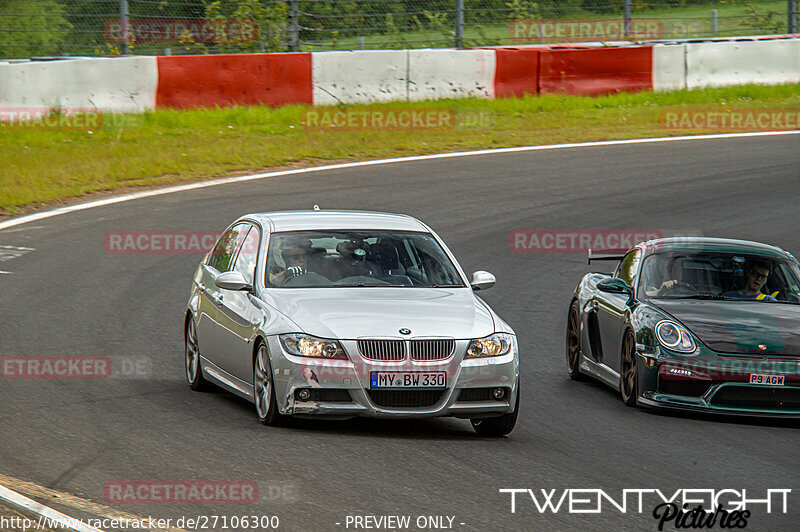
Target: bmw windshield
(316, 259)
(711, 275)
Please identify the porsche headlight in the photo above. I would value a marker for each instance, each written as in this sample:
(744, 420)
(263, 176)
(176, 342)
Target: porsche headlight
(675, 337)
(495, 345)
(304, 345)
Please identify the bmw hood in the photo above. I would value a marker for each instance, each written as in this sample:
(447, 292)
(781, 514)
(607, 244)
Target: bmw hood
(741, 327)
(374, 312)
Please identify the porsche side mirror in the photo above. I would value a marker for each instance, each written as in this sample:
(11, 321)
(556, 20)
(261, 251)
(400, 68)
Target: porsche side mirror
(482, 280)
(231, 281)
(614, 285)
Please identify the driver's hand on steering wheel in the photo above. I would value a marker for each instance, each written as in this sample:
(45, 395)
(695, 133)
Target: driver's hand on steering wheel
(294, 271)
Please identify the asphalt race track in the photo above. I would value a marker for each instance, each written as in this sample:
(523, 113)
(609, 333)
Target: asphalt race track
(68, 296)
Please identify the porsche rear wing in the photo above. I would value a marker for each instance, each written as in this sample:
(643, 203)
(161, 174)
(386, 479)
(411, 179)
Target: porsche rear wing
(605, 254)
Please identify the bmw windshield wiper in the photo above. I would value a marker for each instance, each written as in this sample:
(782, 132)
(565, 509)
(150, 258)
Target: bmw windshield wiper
(382, 285)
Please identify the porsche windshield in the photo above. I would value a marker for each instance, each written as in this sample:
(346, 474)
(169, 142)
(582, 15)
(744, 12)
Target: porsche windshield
(305, 259)
(707, 275)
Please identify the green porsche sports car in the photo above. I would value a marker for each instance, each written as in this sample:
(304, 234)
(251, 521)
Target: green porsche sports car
(701, 324)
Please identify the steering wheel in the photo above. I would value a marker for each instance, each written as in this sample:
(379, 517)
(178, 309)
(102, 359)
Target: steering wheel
(681, 288)
(307, 279)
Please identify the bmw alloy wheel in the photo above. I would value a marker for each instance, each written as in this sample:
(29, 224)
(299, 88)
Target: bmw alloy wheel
(264, 395)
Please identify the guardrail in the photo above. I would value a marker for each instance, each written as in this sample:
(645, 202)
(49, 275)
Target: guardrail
(181, 27)
(137, 84)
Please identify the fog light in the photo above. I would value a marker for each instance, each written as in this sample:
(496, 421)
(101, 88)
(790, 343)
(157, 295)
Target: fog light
(681, 372)
(304, 394)
(498, 393)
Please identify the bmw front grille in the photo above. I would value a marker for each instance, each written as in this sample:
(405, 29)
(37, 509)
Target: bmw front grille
(395, 350)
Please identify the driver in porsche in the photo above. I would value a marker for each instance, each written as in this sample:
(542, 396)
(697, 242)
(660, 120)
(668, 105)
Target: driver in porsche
(673, 276)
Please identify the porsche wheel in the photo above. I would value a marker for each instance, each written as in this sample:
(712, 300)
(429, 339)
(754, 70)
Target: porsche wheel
(263, 390)
(194, 373)
(629, 378)
(497, 426)
(573, 343)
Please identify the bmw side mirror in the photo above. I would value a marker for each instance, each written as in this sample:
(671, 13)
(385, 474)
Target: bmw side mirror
(614, 285)
(231, 281)
(482, 280)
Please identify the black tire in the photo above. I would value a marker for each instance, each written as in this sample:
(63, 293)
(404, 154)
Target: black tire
(263, 389)
(497, 427)
(629, 375)
(573, 344)
(191, 355)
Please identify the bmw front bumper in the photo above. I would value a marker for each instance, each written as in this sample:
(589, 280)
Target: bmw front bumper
(342, 388)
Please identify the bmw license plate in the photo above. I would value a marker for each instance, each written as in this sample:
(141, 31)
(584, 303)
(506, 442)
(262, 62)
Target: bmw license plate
(408, 379)
(759, 378)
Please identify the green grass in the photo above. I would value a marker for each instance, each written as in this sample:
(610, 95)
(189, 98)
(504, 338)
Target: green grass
(45, 167)
(734, 19)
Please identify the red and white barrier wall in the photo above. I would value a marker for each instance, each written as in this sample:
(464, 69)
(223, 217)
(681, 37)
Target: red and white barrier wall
(136, 84)
(737, 63)
(118, 85)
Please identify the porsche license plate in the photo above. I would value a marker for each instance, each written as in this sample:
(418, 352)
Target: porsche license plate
(759, 378)
(408, 379)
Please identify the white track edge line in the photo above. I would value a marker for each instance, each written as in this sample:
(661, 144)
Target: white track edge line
(63, 520)
(12, 222)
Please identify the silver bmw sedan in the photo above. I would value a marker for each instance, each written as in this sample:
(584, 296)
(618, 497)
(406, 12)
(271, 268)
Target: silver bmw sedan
(342, 314)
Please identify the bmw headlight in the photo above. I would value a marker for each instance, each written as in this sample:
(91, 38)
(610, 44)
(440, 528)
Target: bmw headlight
(304, 345)
(675, 337)
(495, 345)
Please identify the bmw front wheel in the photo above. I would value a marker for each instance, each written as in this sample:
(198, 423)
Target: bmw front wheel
(263, 390)
(497, 426)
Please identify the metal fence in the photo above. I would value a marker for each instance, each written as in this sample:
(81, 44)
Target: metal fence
(117, 27)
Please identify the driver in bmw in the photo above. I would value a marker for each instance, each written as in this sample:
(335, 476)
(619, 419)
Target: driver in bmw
(295, 259)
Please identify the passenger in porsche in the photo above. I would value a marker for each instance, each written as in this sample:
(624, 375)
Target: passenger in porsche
(756, 275)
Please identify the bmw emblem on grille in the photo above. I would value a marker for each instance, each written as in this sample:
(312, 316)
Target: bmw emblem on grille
(405, 331)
